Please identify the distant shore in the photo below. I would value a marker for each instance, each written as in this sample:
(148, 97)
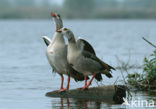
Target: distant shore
(44, 13)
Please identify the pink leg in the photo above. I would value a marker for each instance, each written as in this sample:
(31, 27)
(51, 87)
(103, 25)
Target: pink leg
(62, 79)
(68, 82)
(90, 81)
(85, 78)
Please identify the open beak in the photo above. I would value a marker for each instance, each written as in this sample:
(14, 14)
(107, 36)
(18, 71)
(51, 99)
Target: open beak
(53, 14)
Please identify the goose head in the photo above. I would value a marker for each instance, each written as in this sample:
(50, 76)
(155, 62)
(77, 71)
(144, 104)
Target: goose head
(67, 33)
(57, 20)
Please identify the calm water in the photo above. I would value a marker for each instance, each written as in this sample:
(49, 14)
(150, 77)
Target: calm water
(25, 75)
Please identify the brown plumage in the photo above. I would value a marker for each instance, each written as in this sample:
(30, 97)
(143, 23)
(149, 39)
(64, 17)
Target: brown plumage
(89, 48)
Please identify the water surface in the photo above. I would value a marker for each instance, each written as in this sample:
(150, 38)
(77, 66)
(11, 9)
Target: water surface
(25, 75)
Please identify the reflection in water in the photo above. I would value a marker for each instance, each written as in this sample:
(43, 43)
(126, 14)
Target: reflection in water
(70, 103)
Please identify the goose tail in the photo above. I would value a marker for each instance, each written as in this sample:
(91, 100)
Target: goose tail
(107, 73)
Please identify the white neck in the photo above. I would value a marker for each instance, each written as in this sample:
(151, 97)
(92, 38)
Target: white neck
(58, 38)
(58, 24)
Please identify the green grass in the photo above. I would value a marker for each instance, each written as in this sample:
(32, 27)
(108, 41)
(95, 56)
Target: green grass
(147, 79)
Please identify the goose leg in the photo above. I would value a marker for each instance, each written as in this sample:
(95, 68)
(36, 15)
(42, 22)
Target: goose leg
(68, 82)
(90, 81)
(85, 78)
(62, 79)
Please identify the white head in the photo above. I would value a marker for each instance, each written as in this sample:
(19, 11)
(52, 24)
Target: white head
(57, 20)
(68, 33)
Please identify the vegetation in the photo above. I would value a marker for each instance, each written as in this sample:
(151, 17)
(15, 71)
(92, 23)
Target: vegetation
(146, 80)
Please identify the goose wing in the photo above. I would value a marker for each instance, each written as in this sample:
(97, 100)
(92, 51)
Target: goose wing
(73, 73)
(96, 59)
(46, 40)
(85, 46)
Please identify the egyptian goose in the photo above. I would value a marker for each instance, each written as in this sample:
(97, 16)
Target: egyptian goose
(82, 60)
(57, 54)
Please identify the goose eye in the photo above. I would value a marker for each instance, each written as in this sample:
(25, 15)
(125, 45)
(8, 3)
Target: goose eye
(65, 29)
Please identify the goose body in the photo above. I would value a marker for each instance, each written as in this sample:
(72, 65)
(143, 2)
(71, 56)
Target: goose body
(56, 53)
(83, 61)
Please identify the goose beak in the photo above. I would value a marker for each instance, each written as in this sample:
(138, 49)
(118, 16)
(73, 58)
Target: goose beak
(60, 31)
(53, 14)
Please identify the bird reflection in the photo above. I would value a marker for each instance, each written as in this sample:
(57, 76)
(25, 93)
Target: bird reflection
(70, 103)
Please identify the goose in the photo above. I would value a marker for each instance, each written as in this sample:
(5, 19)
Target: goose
(56, 53)
(82, 60)
(87, 47)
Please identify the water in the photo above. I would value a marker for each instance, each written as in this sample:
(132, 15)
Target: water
(25, 75)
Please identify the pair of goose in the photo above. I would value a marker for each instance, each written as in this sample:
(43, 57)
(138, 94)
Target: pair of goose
(77, 59)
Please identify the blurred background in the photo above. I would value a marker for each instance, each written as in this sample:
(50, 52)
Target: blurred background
(113, 27)
(40, 9)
